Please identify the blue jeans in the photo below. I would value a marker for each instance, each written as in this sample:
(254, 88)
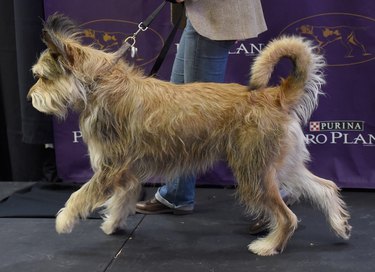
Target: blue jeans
(198, 59)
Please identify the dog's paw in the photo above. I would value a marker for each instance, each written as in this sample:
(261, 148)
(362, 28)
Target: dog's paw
(344, 231)
(263, 248)
(64, 222)
(108, 227)
(340, 225)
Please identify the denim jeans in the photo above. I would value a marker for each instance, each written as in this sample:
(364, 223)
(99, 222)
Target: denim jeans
(198, 59)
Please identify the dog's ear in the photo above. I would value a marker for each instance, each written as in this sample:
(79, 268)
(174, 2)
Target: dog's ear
(60, 47)
(60, 35)
(55, 45)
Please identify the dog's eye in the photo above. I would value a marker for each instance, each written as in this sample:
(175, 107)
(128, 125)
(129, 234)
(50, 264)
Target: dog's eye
(55, 56)
(38, 76)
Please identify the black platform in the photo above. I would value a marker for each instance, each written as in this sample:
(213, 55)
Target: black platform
(213, 238)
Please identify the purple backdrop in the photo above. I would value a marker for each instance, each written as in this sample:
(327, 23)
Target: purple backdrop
(341, 132)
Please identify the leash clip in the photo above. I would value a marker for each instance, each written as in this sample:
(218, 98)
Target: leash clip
(142, 27)
(132, 39)
(131, 42)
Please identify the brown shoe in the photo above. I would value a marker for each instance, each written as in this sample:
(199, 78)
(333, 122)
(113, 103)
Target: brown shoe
(153, 206)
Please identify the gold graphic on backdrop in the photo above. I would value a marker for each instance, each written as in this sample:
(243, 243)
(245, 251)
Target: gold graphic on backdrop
(342, 44)
(343, 35)
(103, 39)
(107, 40)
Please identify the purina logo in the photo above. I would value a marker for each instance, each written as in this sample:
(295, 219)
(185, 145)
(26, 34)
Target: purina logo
(339, 132)
(336, 126)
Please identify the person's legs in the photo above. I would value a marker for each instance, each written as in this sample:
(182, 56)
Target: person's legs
(198, 59)
(205, 60)
(178, 194)
(177, 74)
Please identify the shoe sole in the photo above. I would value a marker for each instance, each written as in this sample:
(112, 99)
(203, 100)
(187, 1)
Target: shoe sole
(166, 211)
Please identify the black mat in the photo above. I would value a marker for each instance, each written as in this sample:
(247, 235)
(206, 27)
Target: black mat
(215, 238)
(32, 245)
(43, 200)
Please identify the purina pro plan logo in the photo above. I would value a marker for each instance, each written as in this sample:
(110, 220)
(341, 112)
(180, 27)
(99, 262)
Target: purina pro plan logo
(339, 132)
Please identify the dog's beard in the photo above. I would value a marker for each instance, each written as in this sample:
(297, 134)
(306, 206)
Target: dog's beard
(55, 96)
(49, 103)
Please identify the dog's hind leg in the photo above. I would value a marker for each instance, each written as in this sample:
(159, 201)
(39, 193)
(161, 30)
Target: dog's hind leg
(324, 194)
(82, 202)
(283, 221)
(260, 195)
(121, 204)
(332, 205)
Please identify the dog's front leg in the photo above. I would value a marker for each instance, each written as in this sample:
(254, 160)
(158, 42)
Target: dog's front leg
(89, 197)
(121, 204)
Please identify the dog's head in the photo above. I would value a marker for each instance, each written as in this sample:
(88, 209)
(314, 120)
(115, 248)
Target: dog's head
(66, 69)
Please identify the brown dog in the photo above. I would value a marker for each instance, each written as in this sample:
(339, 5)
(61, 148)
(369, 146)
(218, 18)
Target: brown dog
(137, 127)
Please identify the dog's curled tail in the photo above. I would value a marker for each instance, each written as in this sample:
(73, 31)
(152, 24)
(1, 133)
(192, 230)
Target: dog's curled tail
(301, 89)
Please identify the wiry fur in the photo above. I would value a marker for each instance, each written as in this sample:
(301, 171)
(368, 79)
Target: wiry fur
(137, 127)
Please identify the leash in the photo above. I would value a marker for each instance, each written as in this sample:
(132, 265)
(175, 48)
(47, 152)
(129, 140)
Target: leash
(143, 26)
(129, 42)
(163, 52)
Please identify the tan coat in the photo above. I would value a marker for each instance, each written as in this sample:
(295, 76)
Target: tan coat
(226, 19)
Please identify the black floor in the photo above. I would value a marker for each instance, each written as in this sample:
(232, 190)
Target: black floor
(213, 238)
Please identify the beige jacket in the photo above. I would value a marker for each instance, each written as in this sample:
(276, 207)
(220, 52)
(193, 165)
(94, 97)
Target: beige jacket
(226, 19)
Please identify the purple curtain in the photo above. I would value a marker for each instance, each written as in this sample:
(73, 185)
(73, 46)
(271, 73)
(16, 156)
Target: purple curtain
(341, 133)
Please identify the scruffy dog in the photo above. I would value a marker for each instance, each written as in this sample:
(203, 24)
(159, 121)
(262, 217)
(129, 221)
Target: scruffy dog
(137, 127)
